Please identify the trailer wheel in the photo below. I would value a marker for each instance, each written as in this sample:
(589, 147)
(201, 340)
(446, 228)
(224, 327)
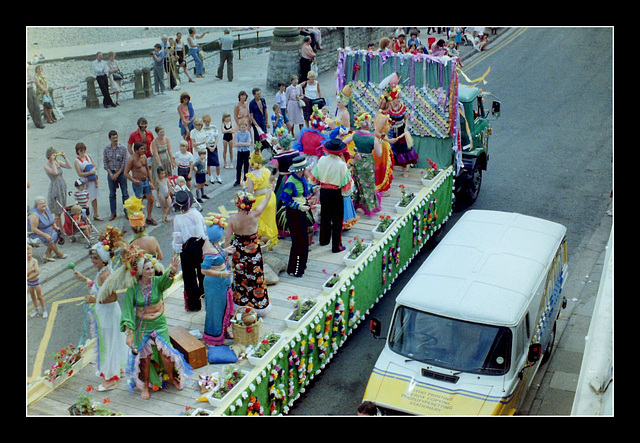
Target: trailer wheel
(473, 186)
(547, 352)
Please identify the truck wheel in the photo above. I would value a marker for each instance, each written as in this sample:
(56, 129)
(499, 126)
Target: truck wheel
(547, 352)
(473, 186)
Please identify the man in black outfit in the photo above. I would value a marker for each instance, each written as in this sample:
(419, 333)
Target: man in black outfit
(101, 72)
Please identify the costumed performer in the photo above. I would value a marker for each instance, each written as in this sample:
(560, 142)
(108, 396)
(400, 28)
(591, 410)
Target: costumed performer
(189, 235)
(258, 181)
(133, 208)
(365, 196)
(384, 163)
(153, 360)
(311, 139)
(401, 140)
(249, 285)
(297, 215)
(335, 181)
(283, 160)
(218, 296)
(103, 312)
(341, 131)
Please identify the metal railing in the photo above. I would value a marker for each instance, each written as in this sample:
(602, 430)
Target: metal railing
(128, 82)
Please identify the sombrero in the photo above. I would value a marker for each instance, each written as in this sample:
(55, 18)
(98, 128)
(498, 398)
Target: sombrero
(300, 163)
(335, 146)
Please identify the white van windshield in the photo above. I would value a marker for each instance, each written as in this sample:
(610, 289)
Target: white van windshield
(449, 343)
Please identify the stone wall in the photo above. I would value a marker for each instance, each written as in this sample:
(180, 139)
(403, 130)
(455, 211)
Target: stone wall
(286, 43)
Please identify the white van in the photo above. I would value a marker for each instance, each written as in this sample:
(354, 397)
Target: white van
(469, 328)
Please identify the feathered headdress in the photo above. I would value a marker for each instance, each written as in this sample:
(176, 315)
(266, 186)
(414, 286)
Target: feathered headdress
(133, 206)
(362, 120)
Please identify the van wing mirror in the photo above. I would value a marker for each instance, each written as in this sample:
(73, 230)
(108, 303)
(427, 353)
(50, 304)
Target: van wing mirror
(375, 327)
(495, 108)
(535, 352)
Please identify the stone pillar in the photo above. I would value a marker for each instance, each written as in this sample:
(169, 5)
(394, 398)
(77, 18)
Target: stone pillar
(284, 56)
(92, 97)
(138, 92)
(148, 87)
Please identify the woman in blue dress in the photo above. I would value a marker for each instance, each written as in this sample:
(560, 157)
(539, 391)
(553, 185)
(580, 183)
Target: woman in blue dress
(218, 296)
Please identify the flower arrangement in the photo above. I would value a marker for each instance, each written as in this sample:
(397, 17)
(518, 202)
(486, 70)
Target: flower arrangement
(86, 406)
(406, 198)
(431, 172)
(261, 349)
(301, 309)
(64, 361)
(384, 223)
(358, 248)
(231, 378)
(335, 278)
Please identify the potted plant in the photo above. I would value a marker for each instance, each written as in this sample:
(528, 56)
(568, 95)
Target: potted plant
(405, 200)
(195, 412)
(256, 354)
(354, 255)
(383, 226)
(228, 383)
(328, 285)
(86, 406)
(300, 312)
(64, 365)
(428, 177)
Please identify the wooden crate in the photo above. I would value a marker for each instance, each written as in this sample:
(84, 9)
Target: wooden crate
(194, 351)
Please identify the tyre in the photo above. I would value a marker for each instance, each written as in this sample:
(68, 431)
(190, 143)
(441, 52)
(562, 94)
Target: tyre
(473, 186)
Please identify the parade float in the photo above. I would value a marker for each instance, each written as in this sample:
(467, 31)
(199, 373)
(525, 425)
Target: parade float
(312, 316)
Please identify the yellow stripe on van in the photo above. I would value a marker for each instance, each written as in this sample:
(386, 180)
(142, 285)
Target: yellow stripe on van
(405, 394)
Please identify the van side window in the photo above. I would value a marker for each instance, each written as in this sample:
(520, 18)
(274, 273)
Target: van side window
(520, 341)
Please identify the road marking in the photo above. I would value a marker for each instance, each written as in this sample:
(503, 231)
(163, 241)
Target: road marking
(224, 212)
(502, 43)
(44, 342)
(57, 293)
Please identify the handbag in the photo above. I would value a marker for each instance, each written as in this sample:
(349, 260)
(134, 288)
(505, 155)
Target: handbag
(318, 101)
(301, 103)
(118, 76)
(47, 102)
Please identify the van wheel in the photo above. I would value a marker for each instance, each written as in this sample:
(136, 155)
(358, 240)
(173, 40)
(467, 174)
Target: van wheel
(547, 352)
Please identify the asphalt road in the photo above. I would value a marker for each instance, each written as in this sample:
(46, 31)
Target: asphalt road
(550, 157)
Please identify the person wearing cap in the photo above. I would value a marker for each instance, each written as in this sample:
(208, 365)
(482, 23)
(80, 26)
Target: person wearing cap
(189, 235)
(299, 218)
(103, 317)
(333, 176)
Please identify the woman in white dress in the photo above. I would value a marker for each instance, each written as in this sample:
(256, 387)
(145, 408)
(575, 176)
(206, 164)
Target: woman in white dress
(294, 95)
(104, 320)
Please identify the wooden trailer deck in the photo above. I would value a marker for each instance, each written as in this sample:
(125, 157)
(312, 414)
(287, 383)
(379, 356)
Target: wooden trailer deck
(356, 295)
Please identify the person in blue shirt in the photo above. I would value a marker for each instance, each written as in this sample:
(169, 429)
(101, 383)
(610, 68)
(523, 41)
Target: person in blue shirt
(158, 68)
(258, 113)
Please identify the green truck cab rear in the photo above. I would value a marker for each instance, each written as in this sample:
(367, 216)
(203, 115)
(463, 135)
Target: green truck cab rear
(475, 131)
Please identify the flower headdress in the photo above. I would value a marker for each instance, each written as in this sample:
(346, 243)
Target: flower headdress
(256, 159)
(126, 275)
(282, 132)
(215, 219)
(317, 119)
(133, 206)
(244, 200)
(216, 225)
(344, 96)
(363, 120)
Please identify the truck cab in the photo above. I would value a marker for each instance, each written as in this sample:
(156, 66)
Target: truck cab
(475, 131)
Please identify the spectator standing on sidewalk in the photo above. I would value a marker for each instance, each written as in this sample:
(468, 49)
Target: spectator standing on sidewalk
(137, 170)
(259, 114)
(114, 158)
(194, 51)
(115, 76)
(158, 68)
(226, 55)
(101, 73)
(33, 104)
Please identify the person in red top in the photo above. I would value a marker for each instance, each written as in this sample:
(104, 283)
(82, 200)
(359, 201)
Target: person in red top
(142, 135)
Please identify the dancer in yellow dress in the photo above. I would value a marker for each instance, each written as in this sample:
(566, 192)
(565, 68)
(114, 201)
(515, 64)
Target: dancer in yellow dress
(258, 180)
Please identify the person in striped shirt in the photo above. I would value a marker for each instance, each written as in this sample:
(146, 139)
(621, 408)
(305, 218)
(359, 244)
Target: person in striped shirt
(82, 196)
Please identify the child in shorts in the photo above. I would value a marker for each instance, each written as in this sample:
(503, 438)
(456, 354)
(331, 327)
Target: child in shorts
(33, 283)
(200, 167)
(164, 192)
(82, 195)
(185, 161)
(212, 148)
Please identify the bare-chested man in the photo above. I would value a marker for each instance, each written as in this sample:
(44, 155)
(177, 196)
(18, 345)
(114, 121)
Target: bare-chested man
(137, 170)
